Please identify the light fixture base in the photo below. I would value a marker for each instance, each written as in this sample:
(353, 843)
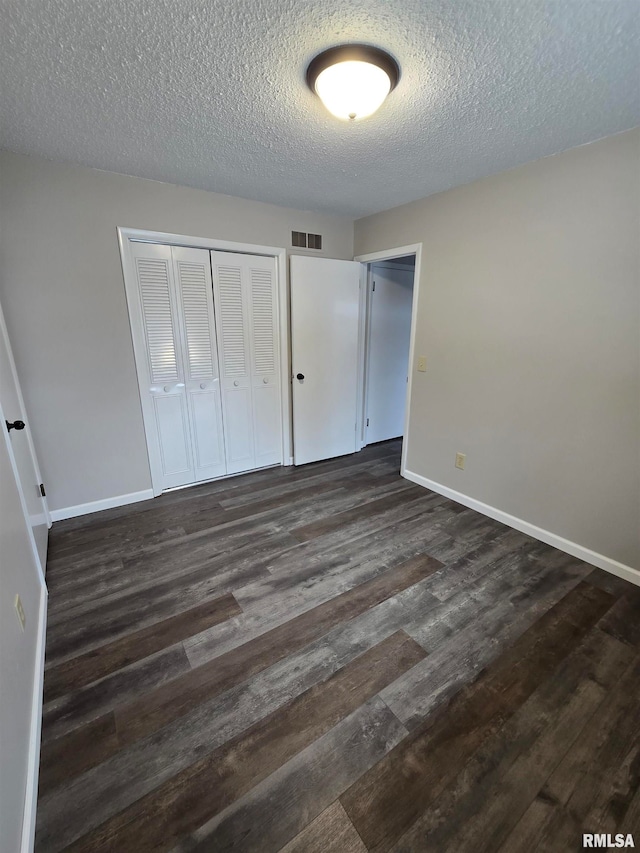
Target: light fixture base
(353, 53)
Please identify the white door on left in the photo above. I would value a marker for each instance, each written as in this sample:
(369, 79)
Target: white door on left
(22, 447)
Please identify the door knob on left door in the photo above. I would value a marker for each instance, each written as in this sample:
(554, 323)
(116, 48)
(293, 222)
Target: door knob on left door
(14, 425)
(300, 376)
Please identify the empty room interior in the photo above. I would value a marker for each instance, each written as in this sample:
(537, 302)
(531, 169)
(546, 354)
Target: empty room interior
(320, 379)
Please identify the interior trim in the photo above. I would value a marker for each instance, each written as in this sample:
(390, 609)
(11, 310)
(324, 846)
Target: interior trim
(33, 760)
(97, 506)
(385, 255)
(592, 557)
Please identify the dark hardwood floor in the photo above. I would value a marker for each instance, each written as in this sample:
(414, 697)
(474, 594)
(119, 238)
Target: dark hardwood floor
(331, 659)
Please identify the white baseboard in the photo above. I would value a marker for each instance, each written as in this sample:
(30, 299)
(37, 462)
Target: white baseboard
(33, 760)
(97, 506)
(592, 557)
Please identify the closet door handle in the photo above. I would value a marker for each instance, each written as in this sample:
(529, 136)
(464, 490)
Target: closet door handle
(203, 385)
(300, 376)
(236, 383)
(265, 380)
(15, 425)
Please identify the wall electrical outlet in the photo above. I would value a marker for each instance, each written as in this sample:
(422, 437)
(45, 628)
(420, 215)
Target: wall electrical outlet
(422, 363)
(460, 460)
(20, 611)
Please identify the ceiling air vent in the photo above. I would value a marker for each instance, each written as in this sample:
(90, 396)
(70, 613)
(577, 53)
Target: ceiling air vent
(299, 239)
(314, 241)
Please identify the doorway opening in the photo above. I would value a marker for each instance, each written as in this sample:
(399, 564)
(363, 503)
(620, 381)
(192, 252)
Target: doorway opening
(388, 309)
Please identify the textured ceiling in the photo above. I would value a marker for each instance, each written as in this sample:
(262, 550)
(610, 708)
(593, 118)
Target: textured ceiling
(211, 93)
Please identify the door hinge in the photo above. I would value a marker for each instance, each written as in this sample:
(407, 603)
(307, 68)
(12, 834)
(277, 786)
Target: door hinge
(367, 421)
(42, 491)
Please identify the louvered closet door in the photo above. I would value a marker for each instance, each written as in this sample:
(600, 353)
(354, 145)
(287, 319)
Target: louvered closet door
(246, 320)
(202, 382)
(157, 344)
(265, 378)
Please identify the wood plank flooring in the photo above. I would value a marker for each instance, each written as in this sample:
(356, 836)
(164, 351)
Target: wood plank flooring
(330, 658)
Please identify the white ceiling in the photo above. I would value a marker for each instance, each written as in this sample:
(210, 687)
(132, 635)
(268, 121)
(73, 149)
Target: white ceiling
(211, 93)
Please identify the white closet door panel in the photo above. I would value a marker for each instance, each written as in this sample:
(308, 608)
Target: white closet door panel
(263, 319)
(238, 430)
(209, 368)
(231, 315)
(157, 317)
(154, 314)
(230, 277)
(193, 278)
(195, 292)
(265, 356)
(174, 438)
(268, 420)
(207, 433)
(195, 300)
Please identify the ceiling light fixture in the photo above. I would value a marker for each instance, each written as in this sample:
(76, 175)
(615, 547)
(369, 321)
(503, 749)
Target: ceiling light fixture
(353, 80)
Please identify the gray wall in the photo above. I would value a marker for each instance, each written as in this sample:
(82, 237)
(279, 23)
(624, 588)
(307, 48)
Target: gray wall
(529, 315)
(63, 295)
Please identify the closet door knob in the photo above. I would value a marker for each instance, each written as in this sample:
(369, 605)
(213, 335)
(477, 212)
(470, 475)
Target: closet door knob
(167, 387)
(265, 380)
(15, 425)
(203, 385)
(300, 376)
(235, 382)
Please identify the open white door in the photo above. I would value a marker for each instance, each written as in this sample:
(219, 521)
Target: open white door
(390, 301)
(325, 352)
(21, 444)
(21, 658)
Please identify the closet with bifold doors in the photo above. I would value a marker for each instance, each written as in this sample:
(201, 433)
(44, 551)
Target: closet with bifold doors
(206, 340)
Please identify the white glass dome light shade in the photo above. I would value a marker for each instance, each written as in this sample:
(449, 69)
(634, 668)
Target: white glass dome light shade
(353, 89)
(352, 80)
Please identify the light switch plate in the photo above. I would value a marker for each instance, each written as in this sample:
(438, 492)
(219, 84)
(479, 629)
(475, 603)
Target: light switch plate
(460, 460)
(422, 363)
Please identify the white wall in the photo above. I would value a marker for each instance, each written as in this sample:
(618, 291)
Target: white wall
(20, 653)
(529, 315)
(63, 295)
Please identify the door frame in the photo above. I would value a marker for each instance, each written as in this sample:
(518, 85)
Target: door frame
(127, 235)
(367, 259)
(367, 346)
